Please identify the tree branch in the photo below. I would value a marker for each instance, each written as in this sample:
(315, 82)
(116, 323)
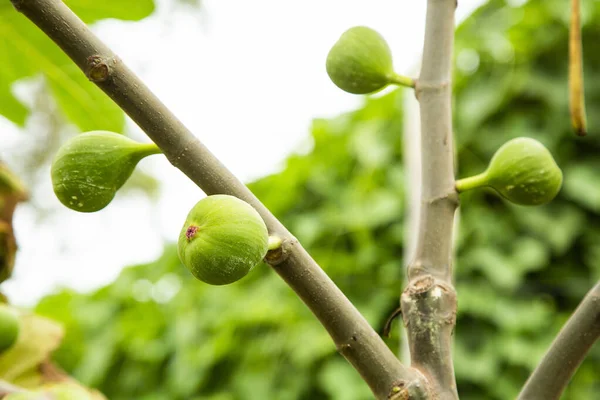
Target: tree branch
(566, 353)
(354, 337)
(429, 300)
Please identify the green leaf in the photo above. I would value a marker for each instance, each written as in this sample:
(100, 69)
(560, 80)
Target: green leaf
(29, 53)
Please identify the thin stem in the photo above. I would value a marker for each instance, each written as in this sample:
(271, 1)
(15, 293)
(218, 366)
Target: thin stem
(148, 149)
(274, 242)
(472, 182)
(355, 338)
(576, 90)
(574, 341)
(402, 80)
(429, 300)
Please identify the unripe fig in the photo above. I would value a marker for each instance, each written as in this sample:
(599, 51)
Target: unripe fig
(360, 62)
(9, 327)
(88, 170)
(57, 391)
(522, 171)
(222, 239)
(26, 396)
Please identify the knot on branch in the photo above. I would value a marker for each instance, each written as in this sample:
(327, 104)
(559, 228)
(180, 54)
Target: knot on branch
(98, 68)
(277, 256)
(415, 389)
(399, 391)
(448, 199)
(428, 302)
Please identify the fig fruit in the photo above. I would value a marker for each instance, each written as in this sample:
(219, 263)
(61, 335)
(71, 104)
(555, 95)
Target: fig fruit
(9, 327)
(88, 169)
(360, 62)
(523, 171)
(222, 239)
(58, 391)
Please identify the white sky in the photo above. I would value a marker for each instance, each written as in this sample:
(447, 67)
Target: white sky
(247, 77)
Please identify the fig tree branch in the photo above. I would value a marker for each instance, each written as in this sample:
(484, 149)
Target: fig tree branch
(429, 300)
(354, 337)
(566, 353)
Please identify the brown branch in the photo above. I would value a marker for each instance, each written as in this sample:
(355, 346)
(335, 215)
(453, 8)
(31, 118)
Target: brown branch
(354, 337)
(574, 341)
(429, 301)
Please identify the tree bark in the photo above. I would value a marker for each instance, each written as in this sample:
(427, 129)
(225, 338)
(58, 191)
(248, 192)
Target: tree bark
(429, 300)
(574, 341)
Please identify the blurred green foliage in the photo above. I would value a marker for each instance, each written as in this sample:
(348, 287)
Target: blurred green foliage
(29, 53)
(156, 333)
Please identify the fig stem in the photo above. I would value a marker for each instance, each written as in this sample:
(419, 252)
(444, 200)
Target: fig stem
(148, 149)
(402, 80)
(472, 182)
(274, 242)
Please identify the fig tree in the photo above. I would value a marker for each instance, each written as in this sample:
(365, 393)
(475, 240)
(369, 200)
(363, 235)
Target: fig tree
(88, 169)
(523, 171)
(222, 239)
(360, 62)
(9, 327)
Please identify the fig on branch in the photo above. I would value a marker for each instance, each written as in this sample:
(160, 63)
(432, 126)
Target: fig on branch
(360, 62)
(222, 239)
(57, 391)
(9, 327)
(522, 171)
(88, 170)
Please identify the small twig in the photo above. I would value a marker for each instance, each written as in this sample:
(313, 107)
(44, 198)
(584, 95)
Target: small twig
(355, 338)
(388, 323)
(574, 341)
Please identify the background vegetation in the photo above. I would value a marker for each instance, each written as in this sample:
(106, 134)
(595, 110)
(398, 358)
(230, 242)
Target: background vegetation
(156, 333)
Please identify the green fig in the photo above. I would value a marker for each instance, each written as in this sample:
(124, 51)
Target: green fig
(56, 391)
(222, 239)
(88, 170)
(360, 62)
(26, 396)
(522, 171)
(67, 391)
(9, 327)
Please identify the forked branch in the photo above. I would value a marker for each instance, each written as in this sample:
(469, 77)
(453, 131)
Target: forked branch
(354, 337)
(429, 300)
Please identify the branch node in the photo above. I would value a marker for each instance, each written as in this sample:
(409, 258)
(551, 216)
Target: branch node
(280, 254)
(431, 86)
(399, 391)
(98, 68)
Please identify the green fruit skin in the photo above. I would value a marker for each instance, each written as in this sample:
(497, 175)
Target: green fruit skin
(68, 391)
(60, 391)
(88, 170)
(360, 62)
(9, 328)
(26, 396)
(230, 238)
(524, 172)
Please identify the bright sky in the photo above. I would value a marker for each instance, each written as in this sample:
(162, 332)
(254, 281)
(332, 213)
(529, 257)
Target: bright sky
(247, 77)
